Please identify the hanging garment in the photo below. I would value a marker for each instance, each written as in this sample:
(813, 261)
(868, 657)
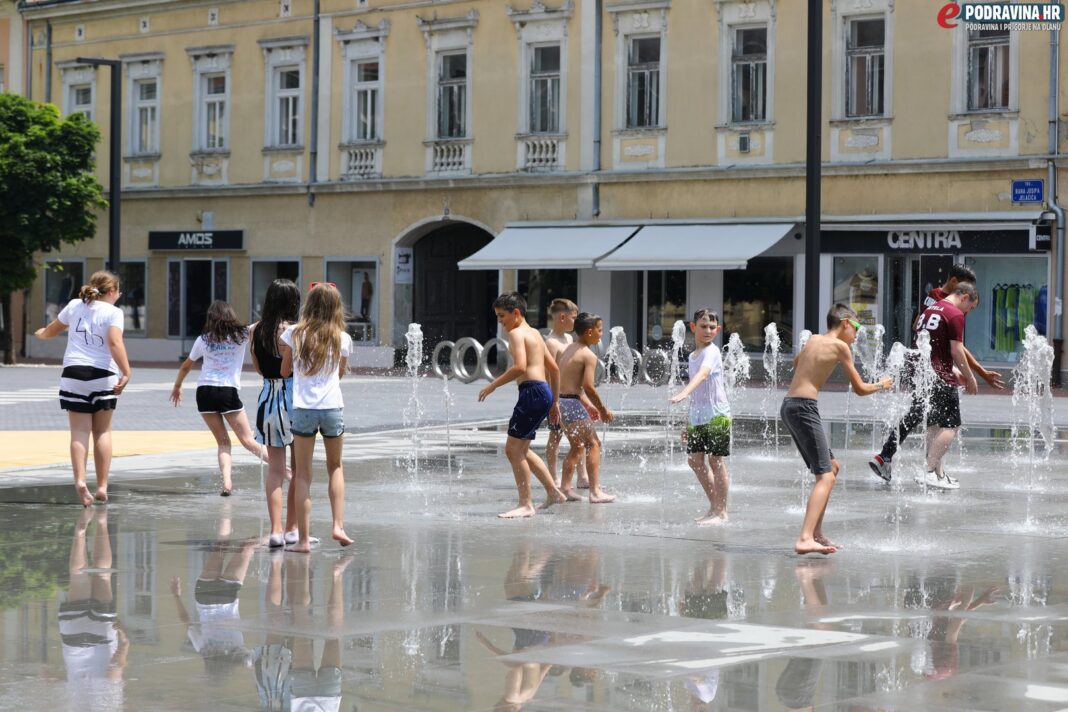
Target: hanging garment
(999, 317)
(1041, 304)
(1012, 301)
(1025, 311)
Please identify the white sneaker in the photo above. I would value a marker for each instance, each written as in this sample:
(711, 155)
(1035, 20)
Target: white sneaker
(933, 479)
(919, 478)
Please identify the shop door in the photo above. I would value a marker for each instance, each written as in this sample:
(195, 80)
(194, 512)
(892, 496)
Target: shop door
(910, 279)
(192, 285)
(448, 303)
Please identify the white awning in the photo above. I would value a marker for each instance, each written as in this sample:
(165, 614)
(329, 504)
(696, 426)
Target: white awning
(548, 247)
(686, 247)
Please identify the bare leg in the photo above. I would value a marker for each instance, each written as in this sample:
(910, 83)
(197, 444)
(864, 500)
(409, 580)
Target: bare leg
(81, 425)
(553, 495)
(276, 473)
(588, 437)
(938, 442)
(222, 438)
(722, 486)
(697, 463)
(302, 449)
(102, 452)
(570, 462)
(291, 495)
(515, 450)
(239, 424)
(552, 448)
(817, 504)
(583, 475)
(818, 535)
(336, 488)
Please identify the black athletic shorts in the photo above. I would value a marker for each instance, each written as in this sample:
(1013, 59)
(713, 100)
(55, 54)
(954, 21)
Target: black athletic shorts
(945, 405)
(802, 419)
(218, 399)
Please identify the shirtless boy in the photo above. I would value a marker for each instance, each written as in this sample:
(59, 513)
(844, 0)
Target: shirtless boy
(578, 366)
(530, 365)
(812, 368)
(562, 313)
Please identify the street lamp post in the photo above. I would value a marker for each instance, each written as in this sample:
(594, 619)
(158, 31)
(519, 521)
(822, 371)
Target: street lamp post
(114, 175)
(813, 158)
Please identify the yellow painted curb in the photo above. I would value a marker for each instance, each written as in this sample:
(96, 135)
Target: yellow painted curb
(31, 448)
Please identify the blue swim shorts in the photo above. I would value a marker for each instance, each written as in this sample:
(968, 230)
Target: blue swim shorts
(572, 410)
(535, 400)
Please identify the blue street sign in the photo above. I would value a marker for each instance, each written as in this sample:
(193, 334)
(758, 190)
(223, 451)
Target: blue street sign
(1028, 191)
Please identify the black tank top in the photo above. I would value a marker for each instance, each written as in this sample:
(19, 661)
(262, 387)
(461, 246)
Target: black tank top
(270, 365)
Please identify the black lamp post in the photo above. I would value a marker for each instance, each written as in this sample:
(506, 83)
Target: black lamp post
(115, 177)
(813, 167)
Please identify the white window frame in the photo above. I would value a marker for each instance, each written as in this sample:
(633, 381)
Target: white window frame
(363, 44)
(973, 79)
(536, 27)
(210, 62)
(751, 61)
(961, 82)
(448, 36)
(140, 69)
(630, 21)
(734, 15)
(869, 55)
(76, 76)
(442, 85)
(841, 19)
(635, 69)
(550, 77)
(282, 55)
(364, 93)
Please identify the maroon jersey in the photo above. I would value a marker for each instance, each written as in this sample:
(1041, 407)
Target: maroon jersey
(934, 297)
(945, 323)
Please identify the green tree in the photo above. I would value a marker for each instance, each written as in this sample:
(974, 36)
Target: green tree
(49, 194)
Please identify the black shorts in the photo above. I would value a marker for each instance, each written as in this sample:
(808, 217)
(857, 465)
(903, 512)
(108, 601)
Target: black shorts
(802, 419)
(218, 399)
(216, 592)
(945, 405)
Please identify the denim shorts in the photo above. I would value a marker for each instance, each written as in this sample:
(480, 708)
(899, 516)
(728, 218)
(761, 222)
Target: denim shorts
(307, 422)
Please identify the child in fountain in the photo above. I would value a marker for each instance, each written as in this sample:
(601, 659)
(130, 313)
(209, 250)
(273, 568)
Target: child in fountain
(578, 368)
(531, 364)
(709, 432)
(812, 368)
(562, 313)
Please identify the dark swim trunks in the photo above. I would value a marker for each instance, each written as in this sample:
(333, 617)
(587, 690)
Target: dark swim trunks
(802, 419)
(535, 400)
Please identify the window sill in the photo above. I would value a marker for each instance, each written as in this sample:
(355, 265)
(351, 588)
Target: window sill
(746, 126)
(376, 143)
(640, 131)
(210, 153)
(283, 149)
(435, 141)
(142, 157)
(861, 121)
(986, 114)
(562, 136)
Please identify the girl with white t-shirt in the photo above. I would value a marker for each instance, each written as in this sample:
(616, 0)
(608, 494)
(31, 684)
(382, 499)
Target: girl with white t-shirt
(709, 432)
(222, 346)
(95, 370)
(316, 351)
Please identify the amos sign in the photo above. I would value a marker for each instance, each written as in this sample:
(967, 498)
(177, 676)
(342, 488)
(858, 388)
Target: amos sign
(197, 240)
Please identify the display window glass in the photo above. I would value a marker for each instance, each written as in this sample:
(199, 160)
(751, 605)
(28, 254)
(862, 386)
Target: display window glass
(756, 296)
(1013, 294)
(541, 287)
(856, 284)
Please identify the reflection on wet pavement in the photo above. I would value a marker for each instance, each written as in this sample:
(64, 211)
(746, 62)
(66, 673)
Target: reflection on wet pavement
(167, 599)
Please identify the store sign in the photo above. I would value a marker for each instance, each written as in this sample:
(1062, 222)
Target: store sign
(197, 240)
(1028, 191)
(942, 241)
(403, 272)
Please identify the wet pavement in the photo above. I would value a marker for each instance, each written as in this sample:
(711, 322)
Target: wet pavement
(165, 599)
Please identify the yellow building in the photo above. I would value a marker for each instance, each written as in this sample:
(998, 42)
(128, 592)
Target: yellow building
(632, 154)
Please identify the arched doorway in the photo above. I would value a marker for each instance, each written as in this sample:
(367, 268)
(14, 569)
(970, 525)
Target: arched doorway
(449, 303)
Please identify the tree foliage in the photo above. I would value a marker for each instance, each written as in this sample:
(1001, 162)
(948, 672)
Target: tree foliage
(49, 194)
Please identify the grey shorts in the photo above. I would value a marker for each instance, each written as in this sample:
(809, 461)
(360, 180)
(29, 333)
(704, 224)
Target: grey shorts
(802, 419)
(306, 422)
(572, 410)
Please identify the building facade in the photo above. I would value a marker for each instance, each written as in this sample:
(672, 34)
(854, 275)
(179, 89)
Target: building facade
(644, 157)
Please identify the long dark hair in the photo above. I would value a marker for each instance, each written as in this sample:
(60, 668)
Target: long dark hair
(281, 304)
(222, 324)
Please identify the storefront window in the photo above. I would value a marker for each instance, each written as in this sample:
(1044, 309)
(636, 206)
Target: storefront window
(358, 284)
(132, 303)
(263, 273)
(856, 284)
(63, 280)
(665, 304)
(1013, 294)
(756, 296)
(541, 287)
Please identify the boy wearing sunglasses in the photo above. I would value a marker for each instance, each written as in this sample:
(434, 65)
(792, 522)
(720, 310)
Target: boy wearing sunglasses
(812, 367)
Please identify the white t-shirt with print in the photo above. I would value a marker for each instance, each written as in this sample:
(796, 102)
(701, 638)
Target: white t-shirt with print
(317, 391)
(709, 399)
(222, 361)
(87, 333)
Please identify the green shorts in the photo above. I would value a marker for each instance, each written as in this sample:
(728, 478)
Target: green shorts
(712, 438)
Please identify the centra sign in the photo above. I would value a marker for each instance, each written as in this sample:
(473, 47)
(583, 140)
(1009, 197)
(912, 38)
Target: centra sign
(923, 240)
(197, 240)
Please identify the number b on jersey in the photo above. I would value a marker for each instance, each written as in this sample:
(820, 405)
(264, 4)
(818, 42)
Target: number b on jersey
(932, 322)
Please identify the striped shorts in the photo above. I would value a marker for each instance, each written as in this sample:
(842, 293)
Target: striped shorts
(273, 409)
(87, 389)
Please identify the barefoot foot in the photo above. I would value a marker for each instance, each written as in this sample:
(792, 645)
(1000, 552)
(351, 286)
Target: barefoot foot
(811, 546)
(584, 483)
(712, 520)
(83, 494)
(599, 497)
(341, 537)
(552, 498)
(300, 548)
(571, 496)
(101, 494)
(707, 515)
(826, 542)
(518, 512)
